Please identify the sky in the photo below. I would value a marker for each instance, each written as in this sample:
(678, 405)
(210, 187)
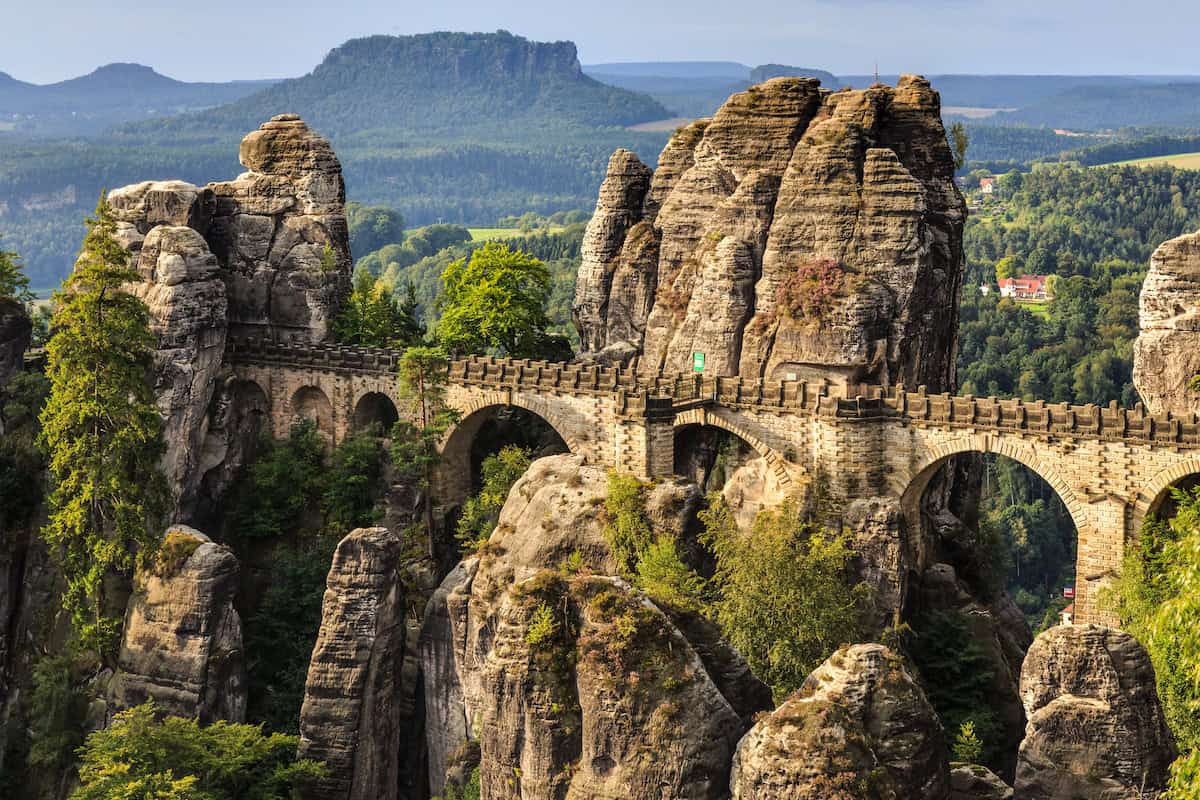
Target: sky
(219, 40)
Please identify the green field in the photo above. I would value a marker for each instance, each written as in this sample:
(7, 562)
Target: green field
(496, 234)
(1180, 160)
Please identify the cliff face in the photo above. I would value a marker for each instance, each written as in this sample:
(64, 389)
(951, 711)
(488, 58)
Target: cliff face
(1166, 355)
(799, 232)
(572, 683)
(15, 330)
(266, 254)
(278, 231)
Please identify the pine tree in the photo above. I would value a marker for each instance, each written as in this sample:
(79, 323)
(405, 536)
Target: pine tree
(14, 285)
(102, 433)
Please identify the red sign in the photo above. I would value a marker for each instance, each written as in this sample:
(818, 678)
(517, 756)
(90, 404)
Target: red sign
(1069, 591)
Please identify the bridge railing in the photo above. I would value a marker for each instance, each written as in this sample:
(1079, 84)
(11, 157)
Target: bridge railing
(639, 394)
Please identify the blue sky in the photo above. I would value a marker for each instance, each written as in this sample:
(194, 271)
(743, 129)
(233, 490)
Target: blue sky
(48, 40)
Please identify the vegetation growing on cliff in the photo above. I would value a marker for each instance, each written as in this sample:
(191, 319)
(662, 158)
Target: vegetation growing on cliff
(481, 511)
(1158, 600)
(103, 434)
(785, 600)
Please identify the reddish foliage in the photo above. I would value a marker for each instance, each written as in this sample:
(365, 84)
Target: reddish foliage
(808, 293)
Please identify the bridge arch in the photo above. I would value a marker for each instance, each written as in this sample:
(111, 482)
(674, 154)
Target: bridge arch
(700, 418)
(311, 402)
(911, 487)
(1150, 500)
(375, 408)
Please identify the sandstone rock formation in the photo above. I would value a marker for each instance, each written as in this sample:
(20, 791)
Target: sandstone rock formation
(278, 231)
(182, 646)
(266, 254)
(186, 298)
(576, 685)
(973, 782)
(860, 726)
(15, 330)
(1166, 354)
(351, 711)
(1096, 730)
(798, 233)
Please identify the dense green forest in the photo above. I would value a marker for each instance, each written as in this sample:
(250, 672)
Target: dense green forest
(1094, 229)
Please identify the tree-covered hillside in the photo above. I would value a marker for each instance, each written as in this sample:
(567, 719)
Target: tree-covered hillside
(434, 83)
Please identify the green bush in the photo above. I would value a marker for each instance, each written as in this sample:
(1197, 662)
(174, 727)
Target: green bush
(482, 511)
(280, 483)
(142, 758)
(784, 597)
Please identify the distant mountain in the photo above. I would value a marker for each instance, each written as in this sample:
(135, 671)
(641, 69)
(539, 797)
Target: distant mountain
(672, 69)
(1002, 91)
(111, 95)
(695, 88)
(768, 71)
(437, 82)
(1114, 105)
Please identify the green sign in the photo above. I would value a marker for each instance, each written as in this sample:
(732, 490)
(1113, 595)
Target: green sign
(697, 362)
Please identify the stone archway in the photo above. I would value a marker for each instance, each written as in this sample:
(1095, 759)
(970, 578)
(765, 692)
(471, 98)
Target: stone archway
(1150, 500)
(311, 402)
(375, 409)
(777, 464)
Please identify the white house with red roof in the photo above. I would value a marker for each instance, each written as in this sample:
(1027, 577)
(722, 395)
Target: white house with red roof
(1026, 287)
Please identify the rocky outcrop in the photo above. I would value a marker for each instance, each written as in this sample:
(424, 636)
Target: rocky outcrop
(278, 231)
(575, 684)
(1166, 355)
(266, 254)
(182, 645)
(973, 782)
(350, 719)
(860, 726)
(187, 303)
(1096, 730)
(15, 332)
(799, 233)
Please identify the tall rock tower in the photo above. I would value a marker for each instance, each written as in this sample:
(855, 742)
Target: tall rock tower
(1166, 355)
(798, 234)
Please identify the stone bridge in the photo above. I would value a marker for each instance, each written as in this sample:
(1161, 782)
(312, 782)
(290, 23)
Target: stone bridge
(1111, 466)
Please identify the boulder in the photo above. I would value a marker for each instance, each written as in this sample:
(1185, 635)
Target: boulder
(187, 304)
(1166, 355)
(182, 645)
(859, 727)
(1096, 730)
(799, 233)
(973, 782)
(350, 718)
(574, 684)
(16, 330)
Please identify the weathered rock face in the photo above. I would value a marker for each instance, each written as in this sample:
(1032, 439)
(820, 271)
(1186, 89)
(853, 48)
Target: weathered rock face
(278, 231)
(576, 685)
(973, 782)
(860, 720)
(798, 233)
(351, 712)
(1166, 355)
(183, 638)
(1096, 729)
(186, 298)
(15, 331)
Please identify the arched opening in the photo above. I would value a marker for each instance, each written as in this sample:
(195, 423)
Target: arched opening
(479, 435)
(375, 411)
(710, 456)
(309, 402)
(995, 549)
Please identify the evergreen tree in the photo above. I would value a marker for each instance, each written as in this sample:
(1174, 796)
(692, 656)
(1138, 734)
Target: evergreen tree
(14, 285)
(102, 432)
(373, 317)
(422, 378)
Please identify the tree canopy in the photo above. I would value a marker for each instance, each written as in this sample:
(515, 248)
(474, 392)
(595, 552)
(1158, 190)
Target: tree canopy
(140, 757)
(495, 301)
